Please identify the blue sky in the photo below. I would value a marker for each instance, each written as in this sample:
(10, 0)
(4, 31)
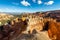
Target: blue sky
(28, 5)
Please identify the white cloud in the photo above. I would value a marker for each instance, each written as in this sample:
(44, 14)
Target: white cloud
(39, 2)
(25, 3)
(49, 3)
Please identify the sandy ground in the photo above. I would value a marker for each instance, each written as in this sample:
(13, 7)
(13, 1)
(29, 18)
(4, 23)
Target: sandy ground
(38, 36)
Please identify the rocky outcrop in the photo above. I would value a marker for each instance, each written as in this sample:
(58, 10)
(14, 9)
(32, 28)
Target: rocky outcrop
(53, 29)
(10, 31)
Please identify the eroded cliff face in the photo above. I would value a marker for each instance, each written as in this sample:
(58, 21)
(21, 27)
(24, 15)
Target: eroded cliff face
(30, 28)
(35, 23)
(12, 30)
(54, 30)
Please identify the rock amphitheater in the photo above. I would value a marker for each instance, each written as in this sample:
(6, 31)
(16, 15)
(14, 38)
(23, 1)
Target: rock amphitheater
(30, 28)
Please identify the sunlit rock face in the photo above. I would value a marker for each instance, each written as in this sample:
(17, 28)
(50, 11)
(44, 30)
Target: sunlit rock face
(54, 30)
(35, 23)
(4, 16)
